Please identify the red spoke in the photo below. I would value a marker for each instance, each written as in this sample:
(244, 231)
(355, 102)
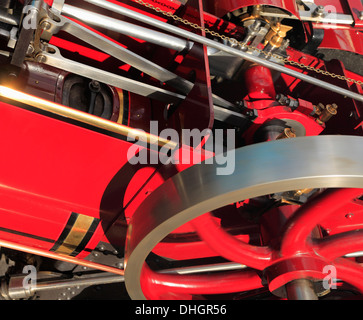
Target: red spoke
(349, 272)
(229, 247)
(310, 214)
(156, 284)
(340, 244)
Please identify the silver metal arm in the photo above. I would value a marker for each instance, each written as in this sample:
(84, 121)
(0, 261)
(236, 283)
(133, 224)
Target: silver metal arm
(115, 50)
(129, 29)
(52, 57)
(220, 46)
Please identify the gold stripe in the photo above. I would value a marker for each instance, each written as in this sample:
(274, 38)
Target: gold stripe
(121, 110)
(83, 117)
(76, 234)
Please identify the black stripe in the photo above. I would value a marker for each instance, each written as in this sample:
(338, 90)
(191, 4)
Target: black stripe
(65, 232)
(63, 118)
(86, 238)
(126, 107)
(75, 122)
(24, 234)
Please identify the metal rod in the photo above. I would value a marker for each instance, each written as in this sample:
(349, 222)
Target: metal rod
(228, 266)
(301, 289)
(123, 54)
(91, 281)
(55, 59)
(211, 43)
(15, 289)
(52, 255)
(126, 28)
(82, 117)
(108, 279)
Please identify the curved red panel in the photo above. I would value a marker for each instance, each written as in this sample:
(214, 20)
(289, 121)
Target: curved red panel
(222, 7)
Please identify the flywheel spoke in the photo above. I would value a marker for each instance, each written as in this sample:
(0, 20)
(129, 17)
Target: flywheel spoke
(338, 245)
(349, 272)
(309, 215)
(229, 247)
(156, 284)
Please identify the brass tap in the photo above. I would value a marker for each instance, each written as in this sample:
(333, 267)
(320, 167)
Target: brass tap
(276, 34)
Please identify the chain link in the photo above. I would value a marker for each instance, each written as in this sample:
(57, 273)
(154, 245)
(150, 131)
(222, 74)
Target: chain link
(234, 41)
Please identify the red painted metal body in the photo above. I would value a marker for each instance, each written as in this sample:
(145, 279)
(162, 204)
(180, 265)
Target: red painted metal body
(220, 8)
(51, 167)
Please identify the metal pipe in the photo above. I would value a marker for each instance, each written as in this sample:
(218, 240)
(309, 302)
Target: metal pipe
(16, 290)
(211, 43)
(114, 49)
(228, 266)
(83, 117)
(52, 255)
(128, 29)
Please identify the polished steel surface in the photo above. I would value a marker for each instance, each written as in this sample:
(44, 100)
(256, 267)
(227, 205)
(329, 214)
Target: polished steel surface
(220, 46)
(117, 51)
(301, 289)
(54, 58)
(129, 29)
(260, 169)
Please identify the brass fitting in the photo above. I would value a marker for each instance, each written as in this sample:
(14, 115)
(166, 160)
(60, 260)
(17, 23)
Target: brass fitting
(327, 113)
(288, 133)
(276, 34)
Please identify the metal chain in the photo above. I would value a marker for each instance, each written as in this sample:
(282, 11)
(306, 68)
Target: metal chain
(234, 41)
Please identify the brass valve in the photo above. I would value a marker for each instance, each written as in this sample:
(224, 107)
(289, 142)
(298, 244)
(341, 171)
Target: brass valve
(276, 34)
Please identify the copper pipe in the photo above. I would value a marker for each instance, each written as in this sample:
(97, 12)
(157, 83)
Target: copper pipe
(51, 255)
(83, 117)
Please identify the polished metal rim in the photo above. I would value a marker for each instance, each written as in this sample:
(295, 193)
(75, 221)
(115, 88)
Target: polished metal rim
(260, 169)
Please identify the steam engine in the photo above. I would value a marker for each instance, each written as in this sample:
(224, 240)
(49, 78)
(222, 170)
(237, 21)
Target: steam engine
(181, 149)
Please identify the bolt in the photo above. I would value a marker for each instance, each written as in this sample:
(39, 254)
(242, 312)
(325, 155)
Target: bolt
(319, 11)
(41, 58)
(45, 25)
(120, 265)
(349, 215)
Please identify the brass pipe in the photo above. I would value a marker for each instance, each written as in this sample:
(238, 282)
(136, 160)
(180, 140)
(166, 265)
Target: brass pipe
(52, 255)
(83, 117)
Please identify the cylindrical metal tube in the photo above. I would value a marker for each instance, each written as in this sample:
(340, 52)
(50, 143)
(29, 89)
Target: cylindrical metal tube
(126, 28)
(214, 44)
(92, 281)
(16, 290)
(301, 289)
